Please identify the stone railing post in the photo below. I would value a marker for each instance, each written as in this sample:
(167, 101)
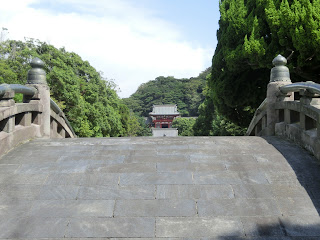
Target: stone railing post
(37, 78)
(279, 76)
(8, 101)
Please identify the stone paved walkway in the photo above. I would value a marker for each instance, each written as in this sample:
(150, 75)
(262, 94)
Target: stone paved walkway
(191, 187)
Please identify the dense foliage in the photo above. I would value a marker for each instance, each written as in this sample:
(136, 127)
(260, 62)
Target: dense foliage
(251, 34)
(138, 126)
(186, 93)
(89, 101)
(184, 125)
(211, 123)
(203, 124)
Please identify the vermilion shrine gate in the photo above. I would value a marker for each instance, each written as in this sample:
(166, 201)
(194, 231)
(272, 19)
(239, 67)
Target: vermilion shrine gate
(162, 117)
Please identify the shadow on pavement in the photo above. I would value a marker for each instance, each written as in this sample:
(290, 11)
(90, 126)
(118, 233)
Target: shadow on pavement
(307, 170)
(305, 166)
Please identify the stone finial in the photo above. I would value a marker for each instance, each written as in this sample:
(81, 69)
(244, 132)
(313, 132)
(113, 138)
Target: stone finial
(36, 74)
(279, 61)
(280, 73)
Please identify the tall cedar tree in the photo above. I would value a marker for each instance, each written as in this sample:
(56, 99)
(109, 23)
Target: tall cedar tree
(251, 34)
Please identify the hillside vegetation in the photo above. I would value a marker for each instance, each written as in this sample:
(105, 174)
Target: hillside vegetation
(88, 99)
(186, 93)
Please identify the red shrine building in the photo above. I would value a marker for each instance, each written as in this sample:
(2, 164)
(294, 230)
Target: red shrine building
(162, 117)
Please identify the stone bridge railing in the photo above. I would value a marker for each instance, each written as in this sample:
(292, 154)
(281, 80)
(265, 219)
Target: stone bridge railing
(291, 110)
(37, 117)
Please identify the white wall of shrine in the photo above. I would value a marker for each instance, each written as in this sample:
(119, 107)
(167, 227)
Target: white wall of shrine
(164, 132)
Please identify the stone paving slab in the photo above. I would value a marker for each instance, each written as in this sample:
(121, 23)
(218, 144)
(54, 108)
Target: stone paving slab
(269, 191)
(253, 191)
(117, 192)
(195, 188)
(9, 168)
(282, 177)
(230, 177)
(111, 227)
(83, 179)
(15, 207)
(156, 178)
(32, 227)
(262, 226)
(302, 226)
(155, 159)
(224, 159)
(155, 208)
(123, 168)
(193, 167)
(194, 192)
(26, 179)
(58, 192)
(198, 227)
(19, 192)
(297, 206)
(72, 208)
(238, 207)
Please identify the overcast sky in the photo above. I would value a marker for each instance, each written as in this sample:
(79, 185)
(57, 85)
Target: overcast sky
(130, 41)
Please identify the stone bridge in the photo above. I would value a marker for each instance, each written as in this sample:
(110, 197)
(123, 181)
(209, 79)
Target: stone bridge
(251, 187)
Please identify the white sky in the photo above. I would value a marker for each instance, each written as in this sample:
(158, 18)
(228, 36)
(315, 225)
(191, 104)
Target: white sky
(128, 42)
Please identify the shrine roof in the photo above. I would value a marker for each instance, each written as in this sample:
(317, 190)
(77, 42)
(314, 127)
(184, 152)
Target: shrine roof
(164, 110)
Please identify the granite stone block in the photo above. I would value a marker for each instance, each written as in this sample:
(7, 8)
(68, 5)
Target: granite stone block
(111, 227)
(186, 227)
(192, 167)
(117, 192)
(252, 191)
(155, 159)
(282, 178)
(155, 208)
(262, 227)
(155, 178)
(224, 159)
(25, 179)
(72, 208)
(8, 168)
(55, 192)
(288, 191)
(297, 206)
(32, 227)
(238, 207)
(194, 192)
(19, 192)
(123, 168)
(301, 226)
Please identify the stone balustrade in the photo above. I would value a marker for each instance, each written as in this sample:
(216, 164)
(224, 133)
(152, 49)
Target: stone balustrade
(36, 117)
(291, 110)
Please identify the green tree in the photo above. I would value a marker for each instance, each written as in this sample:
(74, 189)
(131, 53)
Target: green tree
(251, 34)
(184, 125)
(89, 101)
(222, 127)
(144, 129)
(203, 124)
(134, 126)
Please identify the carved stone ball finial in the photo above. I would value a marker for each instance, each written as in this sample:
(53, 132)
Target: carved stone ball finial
(37, 63)
(279, 61)
(280, 73)
(36, 74)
